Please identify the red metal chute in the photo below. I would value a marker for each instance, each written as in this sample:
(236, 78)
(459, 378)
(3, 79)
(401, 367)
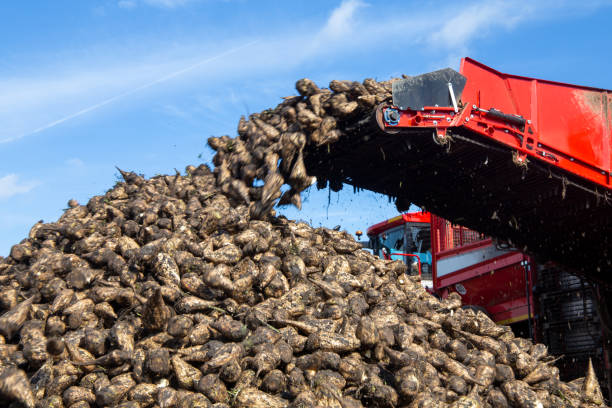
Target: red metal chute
(568, 126)
(571, 124)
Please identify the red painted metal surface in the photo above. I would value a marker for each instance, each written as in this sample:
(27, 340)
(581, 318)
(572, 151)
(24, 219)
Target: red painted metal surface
(446, 237)
(420, 217)
(568, 121)
(512, 311)
(498, 285)
(463, 247)
(567, 126)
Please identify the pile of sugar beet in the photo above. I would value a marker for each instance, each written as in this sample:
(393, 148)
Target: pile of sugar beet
(190, 291)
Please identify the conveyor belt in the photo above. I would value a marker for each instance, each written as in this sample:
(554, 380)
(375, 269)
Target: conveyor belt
(475, 182)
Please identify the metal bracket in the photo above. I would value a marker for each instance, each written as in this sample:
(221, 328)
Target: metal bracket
(392, 116)
(452, 95)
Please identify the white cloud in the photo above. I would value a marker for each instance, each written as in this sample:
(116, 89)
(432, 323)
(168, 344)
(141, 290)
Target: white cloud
(127, 4)
(10, 186)
(452, 27)
(175, 111)
(166, 3)
(33, 103)
(477, 20)
(94, 90)
(342, 19)
(339, 26)
(75, 162)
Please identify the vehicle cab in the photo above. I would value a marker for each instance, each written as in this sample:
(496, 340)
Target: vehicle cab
(407, 238)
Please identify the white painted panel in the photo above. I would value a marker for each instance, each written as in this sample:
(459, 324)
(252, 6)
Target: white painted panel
(427, 284)
(465, 259)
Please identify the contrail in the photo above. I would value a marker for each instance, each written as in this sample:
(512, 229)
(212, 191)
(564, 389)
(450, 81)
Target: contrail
(131, 92)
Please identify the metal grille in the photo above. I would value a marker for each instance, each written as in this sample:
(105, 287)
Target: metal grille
(579, 337)
(449, 236)
(556, 279)
(464, 236)
(569, 322)
(574, 365)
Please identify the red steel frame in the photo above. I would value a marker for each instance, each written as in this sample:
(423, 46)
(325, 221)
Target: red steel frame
(421, 216)
(489, 275)
(567, 126)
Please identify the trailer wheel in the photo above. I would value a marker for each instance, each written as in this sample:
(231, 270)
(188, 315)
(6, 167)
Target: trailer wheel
(437, 296)
(476, 309)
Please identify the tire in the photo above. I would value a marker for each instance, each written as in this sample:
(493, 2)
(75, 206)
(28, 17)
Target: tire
(476, 309)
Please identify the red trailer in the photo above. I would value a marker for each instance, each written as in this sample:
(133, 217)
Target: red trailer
(452, 258)
(485, 273)
(542, 301)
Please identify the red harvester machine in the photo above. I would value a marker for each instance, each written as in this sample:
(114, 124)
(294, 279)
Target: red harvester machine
(521, 159)
(525, 160)
(543, 302)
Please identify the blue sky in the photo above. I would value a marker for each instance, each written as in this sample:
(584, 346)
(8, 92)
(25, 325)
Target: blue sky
(89, 85)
